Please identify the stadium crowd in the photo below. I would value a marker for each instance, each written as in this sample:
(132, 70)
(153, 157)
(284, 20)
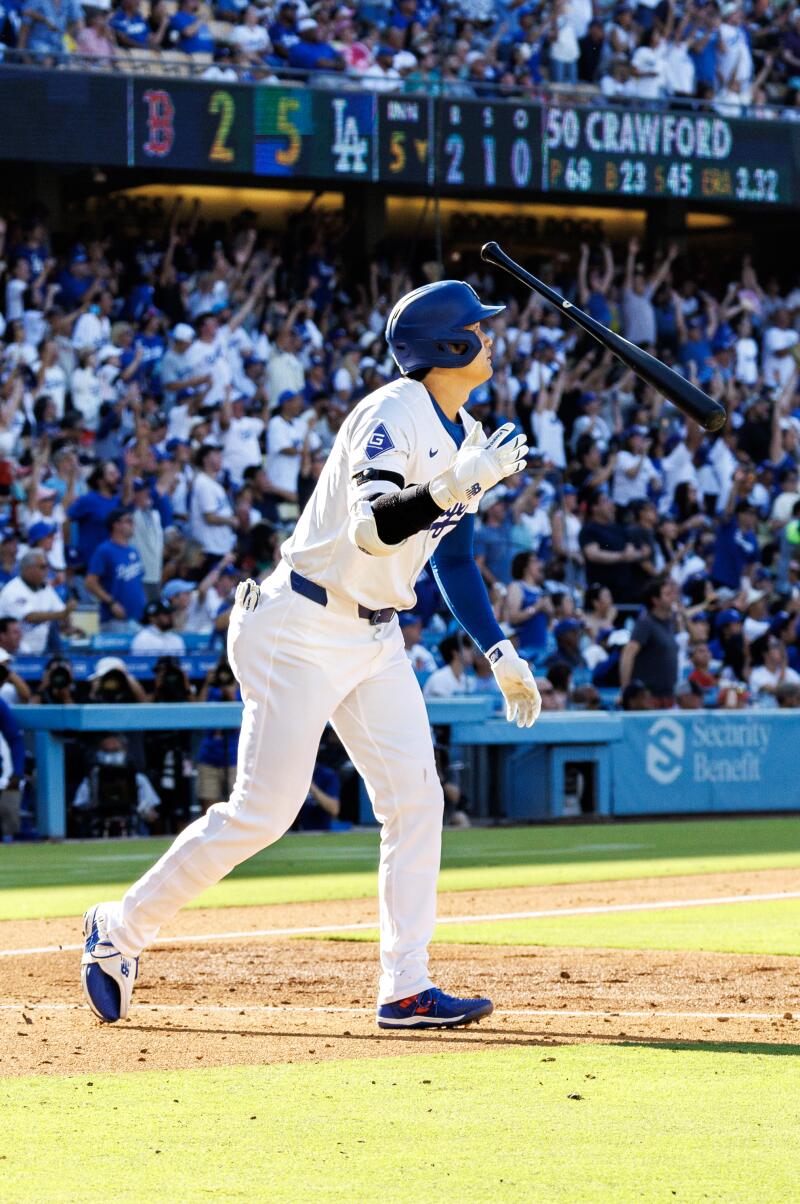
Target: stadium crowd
(735, 56)
(168, 401)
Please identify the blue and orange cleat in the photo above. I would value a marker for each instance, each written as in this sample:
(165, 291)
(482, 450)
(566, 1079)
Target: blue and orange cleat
(432, 1009)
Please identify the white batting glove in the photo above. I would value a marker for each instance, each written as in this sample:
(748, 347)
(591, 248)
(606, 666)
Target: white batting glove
(248, 594)
(478, 465)
(514, 677)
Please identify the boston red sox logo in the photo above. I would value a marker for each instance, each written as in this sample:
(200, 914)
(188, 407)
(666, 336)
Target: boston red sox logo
(160, 123)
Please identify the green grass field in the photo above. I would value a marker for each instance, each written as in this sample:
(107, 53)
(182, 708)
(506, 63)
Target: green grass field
(694, 1123)
(655, 1121)
(62, 879)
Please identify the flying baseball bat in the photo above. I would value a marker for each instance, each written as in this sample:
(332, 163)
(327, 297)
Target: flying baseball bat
(687, 397)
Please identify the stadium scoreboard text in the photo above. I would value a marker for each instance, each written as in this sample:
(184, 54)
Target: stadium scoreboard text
(408, 141)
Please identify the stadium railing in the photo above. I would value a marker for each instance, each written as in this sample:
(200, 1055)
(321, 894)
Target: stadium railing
(176, 64)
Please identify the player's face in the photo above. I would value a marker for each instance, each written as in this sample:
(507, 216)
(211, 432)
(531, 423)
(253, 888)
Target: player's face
(480, 369)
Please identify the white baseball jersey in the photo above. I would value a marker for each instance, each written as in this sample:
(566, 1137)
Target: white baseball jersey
(397, 429)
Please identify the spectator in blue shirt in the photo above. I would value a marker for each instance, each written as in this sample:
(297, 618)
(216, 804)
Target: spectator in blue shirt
(311, 52)
(45, 24)
(494, 542)
(528, 607)
(76, 282)
(91, 511)
(283, 31)
(322, 803)
(116, 575)
(694, 349)
(703, 42)
(152, 342)
(187, 32)
(216, 756)
(129, 25)
(737, 545)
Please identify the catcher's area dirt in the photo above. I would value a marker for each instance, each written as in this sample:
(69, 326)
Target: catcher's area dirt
(282, 999)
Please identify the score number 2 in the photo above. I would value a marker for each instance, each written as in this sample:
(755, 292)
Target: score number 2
(222, 104)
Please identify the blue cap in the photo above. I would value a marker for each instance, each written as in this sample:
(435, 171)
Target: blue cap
(567, 625)
(174, 443)
(140, 483)
(41, 531)
(173, 588)
(569, 489)
(287, 395)
(728, 616)
(385, 52)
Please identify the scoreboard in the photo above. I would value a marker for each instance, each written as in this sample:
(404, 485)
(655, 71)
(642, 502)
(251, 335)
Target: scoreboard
(647, 153)
(412, 142)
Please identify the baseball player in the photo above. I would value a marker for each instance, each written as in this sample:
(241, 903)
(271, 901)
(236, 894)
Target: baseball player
(319, 641)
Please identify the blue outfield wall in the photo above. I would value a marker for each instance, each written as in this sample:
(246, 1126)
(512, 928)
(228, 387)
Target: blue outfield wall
(723, 761)
(656, 763)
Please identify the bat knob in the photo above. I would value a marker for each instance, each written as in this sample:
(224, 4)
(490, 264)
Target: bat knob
(489, 252)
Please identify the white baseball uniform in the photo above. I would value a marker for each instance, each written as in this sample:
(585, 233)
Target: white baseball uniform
(301, 664)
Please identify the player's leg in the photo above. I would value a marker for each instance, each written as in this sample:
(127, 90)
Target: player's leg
(288, 698)
(384, 726)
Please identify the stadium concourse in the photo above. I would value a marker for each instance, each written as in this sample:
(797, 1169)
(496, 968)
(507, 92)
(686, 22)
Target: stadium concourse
(153, 377)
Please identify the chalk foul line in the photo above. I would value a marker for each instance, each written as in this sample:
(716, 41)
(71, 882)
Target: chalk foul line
(491, 918)
(277, 1009)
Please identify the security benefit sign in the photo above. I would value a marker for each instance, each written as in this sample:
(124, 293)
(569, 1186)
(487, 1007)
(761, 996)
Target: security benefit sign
(706, 762)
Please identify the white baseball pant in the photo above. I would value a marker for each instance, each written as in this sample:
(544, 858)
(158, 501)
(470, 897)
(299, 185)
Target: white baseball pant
(300, 665)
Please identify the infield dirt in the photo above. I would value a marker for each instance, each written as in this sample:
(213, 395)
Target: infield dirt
(282, 999)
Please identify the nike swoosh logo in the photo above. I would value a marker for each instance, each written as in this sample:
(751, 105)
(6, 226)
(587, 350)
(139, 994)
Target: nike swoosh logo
(433, 452)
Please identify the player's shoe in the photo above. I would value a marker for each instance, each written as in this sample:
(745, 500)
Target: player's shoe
(432, 1009)
(107, 975)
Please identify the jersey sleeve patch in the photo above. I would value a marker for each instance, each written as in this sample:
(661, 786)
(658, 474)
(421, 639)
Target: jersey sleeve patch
(379, 441)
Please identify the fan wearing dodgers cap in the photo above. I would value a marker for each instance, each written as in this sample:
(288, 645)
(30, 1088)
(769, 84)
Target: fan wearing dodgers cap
(175, 373)
(156, 634)
(286, 434)
(116, 574)
(319, 641)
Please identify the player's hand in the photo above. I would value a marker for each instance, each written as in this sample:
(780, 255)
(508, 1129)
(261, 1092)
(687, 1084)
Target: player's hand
(514, 677)
(248, 594)
(479, 464)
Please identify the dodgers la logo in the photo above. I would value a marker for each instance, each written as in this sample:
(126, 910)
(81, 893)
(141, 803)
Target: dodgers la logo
(379, 441)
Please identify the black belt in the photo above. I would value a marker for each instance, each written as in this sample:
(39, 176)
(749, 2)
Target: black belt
(318, 593)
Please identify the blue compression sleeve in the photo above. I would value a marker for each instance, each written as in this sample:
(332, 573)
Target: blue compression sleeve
(462, 586)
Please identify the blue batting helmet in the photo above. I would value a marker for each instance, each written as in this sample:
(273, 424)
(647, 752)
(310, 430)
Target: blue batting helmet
(426, 328)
